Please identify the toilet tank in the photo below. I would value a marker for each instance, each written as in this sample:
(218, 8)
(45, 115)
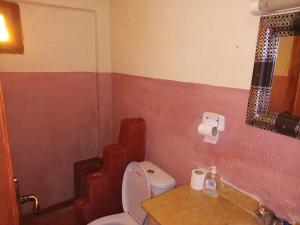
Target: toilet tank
(160, 181)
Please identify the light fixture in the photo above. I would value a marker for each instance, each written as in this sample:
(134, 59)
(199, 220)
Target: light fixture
(264, 7)
(4, 35)
(11, 39)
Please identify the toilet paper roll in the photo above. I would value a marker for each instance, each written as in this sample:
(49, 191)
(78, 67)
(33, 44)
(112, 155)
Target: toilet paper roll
(207, 130)
(197, 179)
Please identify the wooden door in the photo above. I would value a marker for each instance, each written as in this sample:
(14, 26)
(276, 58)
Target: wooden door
(9, 214)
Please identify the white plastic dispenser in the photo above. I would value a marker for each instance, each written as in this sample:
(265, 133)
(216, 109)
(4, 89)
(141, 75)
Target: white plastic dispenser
(210, 127)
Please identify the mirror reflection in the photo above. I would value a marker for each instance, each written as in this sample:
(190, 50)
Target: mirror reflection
(285, 96)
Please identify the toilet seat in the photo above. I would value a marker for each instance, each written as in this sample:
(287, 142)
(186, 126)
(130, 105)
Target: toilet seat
(116, 219)
(135, 190)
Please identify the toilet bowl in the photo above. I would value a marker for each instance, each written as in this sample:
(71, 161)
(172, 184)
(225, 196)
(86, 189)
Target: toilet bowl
(139, 182)
(116, 219)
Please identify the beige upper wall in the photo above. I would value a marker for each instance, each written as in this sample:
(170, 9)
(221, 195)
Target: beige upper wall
(210, 42)
(59, 38)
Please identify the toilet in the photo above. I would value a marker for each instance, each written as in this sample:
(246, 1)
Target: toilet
(140, 182)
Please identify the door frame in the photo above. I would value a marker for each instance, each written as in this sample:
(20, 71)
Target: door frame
(9, 211)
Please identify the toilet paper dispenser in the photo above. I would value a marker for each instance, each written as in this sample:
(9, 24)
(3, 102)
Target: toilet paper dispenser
(210, 127)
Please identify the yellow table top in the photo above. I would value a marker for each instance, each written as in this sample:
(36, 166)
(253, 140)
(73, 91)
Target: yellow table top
(185, 206)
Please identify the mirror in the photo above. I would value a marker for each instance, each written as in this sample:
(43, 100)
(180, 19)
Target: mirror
(274, 99)
(285, 95)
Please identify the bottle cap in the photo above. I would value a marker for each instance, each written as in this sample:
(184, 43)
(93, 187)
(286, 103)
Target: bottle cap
(213, 170)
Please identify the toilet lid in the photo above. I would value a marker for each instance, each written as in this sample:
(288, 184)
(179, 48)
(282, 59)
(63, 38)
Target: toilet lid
(135, 190)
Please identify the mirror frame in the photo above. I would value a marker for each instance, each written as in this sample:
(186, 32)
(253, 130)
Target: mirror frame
(271, 28)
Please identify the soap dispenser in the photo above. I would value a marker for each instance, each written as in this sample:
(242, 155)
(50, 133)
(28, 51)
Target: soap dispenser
(212, 182)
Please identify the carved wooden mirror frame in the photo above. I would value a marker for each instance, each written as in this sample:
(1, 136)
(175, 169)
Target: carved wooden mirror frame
(258, 114)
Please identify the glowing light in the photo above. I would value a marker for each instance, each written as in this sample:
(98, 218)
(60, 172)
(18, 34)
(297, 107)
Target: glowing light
(4, 35)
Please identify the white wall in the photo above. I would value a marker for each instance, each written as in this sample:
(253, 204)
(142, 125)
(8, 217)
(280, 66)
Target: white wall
(210, 42)
(62, 38)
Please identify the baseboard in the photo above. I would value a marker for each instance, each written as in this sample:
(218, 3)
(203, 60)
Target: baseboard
(49, 209)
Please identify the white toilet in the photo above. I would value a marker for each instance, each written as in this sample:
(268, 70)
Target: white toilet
(139, 182)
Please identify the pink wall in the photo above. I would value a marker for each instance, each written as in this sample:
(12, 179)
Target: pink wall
(105, 110)
(53, 122)
(260, 162)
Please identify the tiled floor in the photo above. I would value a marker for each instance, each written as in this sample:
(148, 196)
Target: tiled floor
(63, 216)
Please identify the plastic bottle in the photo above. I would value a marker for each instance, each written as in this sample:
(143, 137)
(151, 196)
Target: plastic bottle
(212, 182)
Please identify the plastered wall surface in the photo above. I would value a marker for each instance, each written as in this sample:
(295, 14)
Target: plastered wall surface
(53, 39)
(262, 163)
(54, 99)
(208, 42)
(62, 36)
(52, 122)
(200, 42)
